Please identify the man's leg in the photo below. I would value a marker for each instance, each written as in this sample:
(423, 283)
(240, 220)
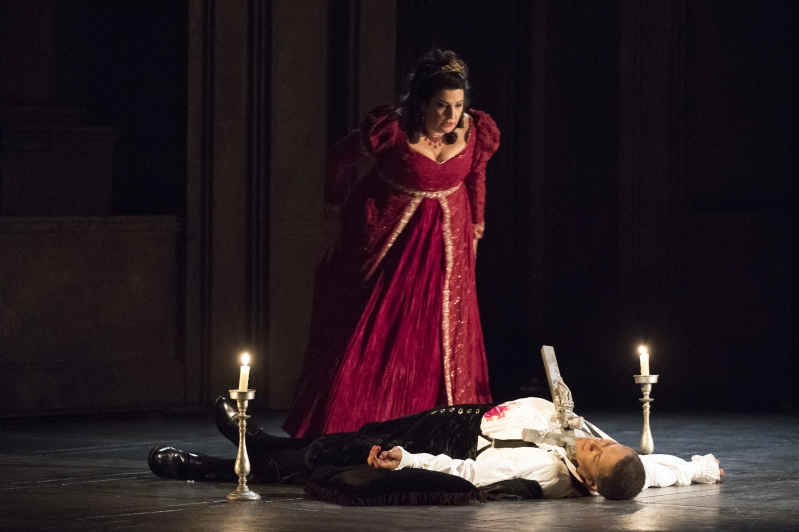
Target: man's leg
(450, 430)
(168, 462)
(272, 458)
(447, 430)
(275, 465)
(257, 440)
(293, 457)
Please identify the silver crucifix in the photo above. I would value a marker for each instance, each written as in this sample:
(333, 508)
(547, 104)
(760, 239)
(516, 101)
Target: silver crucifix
(563, 434)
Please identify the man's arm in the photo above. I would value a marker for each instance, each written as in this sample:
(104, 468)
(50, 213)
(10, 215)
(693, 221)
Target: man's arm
(533, 464)
(665, 470)
(478, 473)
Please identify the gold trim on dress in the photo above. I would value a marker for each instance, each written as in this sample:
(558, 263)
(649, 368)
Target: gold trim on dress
(436, 194)
(446, 336)
(478, 230)
(410, 209)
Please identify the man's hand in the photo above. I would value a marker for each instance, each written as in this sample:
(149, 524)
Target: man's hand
(384, 460)
(721, 473)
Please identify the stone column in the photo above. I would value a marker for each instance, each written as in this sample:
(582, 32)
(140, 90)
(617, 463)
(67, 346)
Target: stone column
(298, 148)
(217, 203)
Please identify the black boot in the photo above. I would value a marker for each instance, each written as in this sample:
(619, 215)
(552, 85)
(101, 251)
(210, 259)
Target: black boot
(258, 441)
(168, 462)
(224, 416)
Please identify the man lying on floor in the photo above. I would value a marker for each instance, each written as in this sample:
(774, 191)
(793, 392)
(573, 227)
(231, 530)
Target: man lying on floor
(480, 443)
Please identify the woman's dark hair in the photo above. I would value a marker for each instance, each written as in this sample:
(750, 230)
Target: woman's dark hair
(436, 70)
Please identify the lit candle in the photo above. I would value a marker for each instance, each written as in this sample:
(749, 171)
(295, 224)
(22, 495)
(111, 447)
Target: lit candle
(244, 376)
(644, 360)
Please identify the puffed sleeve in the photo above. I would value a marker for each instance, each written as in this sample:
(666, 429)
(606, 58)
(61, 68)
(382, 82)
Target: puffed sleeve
(487, 143)
(378, 130)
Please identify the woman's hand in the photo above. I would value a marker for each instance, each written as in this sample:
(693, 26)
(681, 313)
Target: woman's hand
(475, 241)
(384, 460)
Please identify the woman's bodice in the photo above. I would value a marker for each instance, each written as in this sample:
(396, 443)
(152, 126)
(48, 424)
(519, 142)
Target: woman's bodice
(400, 163)
(382, 137)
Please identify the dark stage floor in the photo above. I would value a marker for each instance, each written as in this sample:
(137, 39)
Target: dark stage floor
(68, 474)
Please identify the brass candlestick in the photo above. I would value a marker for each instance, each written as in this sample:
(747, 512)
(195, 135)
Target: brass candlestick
(242, 468)
(646, 382)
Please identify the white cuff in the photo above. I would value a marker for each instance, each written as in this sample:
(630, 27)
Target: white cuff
(706, 469)
(407, 458)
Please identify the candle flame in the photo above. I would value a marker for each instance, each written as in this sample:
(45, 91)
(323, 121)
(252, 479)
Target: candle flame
(245, 359)
(642, 350)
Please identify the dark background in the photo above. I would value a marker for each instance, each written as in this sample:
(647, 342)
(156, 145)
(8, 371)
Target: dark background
(645, 190)
(125, 63)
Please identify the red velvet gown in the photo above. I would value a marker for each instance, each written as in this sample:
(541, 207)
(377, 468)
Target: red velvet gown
(395, 327)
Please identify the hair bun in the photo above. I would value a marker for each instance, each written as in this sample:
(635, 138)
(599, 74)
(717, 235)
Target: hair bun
(436, 70)
(437, 62)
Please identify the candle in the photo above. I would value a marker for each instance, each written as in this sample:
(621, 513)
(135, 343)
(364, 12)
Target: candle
(244, 376)
(644, 360)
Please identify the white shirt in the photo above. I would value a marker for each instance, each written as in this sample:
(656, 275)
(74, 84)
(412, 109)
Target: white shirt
(547, 464)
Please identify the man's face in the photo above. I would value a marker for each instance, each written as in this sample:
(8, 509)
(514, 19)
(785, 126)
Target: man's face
(596, 457)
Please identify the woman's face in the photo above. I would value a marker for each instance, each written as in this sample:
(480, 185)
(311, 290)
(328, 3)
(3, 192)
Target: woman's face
(443, 111)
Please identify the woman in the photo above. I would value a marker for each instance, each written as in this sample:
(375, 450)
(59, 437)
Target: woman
(396, 328)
